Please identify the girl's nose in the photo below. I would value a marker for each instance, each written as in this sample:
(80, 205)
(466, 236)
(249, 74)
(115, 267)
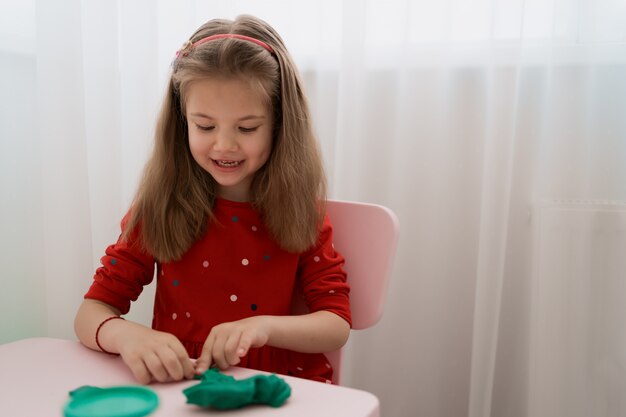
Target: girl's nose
(225, 141)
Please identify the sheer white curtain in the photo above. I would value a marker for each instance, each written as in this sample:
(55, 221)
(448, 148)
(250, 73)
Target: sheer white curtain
(494, 128)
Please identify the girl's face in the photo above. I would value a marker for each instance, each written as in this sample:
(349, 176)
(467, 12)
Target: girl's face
(230, 132)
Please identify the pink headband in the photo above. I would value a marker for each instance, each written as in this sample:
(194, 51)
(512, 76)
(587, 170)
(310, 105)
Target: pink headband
(188, 45)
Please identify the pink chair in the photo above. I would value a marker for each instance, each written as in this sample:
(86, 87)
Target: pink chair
(367, 236)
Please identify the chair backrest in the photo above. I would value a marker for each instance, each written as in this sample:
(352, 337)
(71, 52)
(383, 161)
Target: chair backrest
(367, 236)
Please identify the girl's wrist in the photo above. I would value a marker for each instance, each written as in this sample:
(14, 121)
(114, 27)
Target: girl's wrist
(271, 326)
(104, 339)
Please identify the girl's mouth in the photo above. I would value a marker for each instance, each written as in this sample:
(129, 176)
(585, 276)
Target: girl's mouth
(227, 164)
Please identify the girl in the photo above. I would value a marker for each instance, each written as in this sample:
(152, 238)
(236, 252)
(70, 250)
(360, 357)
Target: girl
(230, 215)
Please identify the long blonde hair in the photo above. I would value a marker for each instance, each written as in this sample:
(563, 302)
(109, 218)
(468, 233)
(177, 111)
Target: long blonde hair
(175, 199)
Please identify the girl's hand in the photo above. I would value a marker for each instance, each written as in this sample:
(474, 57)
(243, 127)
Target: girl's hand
(229, 342)
(153, 355)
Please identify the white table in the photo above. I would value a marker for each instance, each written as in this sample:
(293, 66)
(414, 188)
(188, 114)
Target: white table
(37, 374)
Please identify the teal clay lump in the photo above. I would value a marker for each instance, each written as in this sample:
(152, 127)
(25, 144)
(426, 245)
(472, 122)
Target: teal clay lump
(224, 392)
(117, 401)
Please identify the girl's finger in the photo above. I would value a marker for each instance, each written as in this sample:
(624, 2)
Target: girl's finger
(155, 366)
(170, 362)
(230, 348)
(183, 358)
(139, 370)
(244, 345)
(188, 368)
(218, 354)
(205, 360)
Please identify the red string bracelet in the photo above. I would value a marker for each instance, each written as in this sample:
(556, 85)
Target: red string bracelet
(98, 331)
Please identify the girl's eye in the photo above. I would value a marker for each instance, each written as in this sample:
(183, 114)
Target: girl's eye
(205, 128)
(248, 129)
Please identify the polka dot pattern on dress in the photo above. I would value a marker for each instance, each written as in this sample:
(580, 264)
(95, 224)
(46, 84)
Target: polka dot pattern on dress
(259, 253)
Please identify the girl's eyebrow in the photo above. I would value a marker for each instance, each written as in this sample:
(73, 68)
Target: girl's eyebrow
(249, 117)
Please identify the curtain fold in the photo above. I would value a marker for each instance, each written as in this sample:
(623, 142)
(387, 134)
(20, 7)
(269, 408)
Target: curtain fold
(493, 128)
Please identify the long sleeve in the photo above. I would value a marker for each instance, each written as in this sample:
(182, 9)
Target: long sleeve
(125, 270)
(322, 279)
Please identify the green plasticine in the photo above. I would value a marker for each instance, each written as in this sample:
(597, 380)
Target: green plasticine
(224, 392)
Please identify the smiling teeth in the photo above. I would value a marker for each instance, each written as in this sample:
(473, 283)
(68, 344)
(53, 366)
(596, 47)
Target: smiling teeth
(228, 164)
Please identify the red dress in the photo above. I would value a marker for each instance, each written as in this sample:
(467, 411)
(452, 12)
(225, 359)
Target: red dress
(236, 270)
